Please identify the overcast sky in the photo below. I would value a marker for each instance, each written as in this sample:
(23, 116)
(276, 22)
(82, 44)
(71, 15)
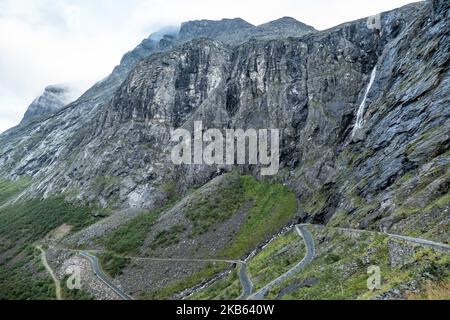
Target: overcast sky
(79, 42)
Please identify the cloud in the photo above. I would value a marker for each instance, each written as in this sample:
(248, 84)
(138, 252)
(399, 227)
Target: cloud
(46, 42)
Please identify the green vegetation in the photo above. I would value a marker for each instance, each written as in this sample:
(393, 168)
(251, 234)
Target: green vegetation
(433, 291)
(10, 189)
(74, 294)
(167, 238)
(22, 275)
(26, 279)
(274, 205)
(340, 267)
(270, 207)
(104, 182)
(168, 292)
(129, 238)
(277, 258)
(227, 288)
(216, 207)
(29, 221)
(315, 203)
(112, 264)
(170, 188)
(424, 137)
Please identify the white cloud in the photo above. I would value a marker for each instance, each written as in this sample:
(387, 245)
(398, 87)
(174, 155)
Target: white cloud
(46, 42)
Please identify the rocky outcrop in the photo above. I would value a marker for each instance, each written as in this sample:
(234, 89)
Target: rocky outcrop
(384, 179)
(54, 98)
(236, 31)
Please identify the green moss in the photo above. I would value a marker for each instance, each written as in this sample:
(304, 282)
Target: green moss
(170, 188)
(314, 203)
(425, 136)
(441, 202)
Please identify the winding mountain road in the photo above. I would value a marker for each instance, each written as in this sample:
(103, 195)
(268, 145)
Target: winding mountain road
(247, 285)
(310, 253)
(102, 277)
(422, 242)
(309, 242)
(246, 282)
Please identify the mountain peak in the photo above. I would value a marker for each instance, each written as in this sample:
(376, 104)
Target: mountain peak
(287, 24)
(53, 98)
(212, 28)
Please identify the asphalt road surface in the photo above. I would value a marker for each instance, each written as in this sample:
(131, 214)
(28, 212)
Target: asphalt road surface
(310, 253)
(102, 277)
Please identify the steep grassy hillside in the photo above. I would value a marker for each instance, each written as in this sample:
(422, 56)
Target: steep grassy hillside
(340, 268)
(22, 224)
(225, 219)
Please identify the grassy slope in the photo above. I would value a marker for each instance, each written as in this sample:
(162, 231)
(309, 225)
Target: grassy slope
(342, 261)
(339, 270)
(129, 238)
(10, 189)
(22, 224)
(273, 206)
(277, 258)
(190, 282)
(227, 288)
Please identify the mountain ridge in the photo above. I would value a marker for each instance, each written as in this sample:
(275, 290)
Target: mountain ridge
(110, 149)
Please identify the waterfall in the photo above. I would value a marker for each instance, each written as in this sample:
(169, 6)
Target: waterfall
(362, 108)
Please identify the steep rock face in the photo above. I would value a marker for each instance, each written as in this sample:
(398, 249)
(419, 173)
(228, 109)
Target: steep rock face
(54, 98)
(395, 178)
(286, 26)
(222, 30)
(276, 84)
(47, 149)
(35, 146)
(311, 87)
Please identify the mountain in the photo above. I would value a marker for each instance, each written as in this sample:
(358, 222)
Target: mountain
(54, 98)
(236, 31)
(287, 27)
(364, 122)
